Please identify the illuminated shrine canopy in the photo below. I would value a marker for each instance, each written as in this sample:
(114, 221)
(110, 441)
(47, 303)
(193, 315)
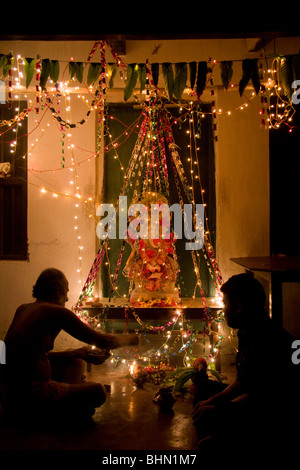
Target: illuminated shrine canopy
(154, 166)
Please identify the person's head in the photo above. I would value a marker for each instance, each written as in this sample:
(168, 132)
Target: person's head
(244, 297)
(51, 286)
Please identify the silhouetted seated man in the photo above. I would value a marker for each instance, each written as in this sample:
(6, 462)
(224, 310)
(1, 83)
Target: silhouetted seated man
(261, 406)
(28, 385)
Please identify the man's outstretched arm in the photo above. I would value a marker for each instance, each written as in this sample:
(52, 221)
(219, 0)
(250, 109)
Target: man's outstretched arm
(69, 322)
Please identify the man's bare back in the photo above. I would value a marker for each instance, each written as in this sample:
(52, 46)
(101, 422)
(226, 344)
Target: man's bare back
(30, 342)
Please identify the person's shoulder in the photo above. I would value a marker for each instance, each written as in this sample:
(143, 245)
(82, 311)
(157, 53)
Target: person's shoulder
(51, 314)
(43, 310)
(22, 307)
(52, 308)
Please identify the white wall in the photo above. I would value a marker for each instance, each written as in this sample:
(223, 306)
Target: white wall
(52, 238)
(242, 183)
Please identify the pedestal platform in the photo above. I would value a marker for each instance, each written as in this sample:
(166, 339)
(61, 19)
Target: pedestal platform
(117, 312)
(117, 316)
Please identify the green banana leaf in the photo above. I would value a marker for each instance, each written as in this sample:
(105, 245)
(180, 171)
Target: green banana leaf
(45, 72)
(215, 374)
(3, 60)
(54, 70)
(93, 73)
(29, 68)
(155, 73)
(7, 63)
(76, 69)
(250, 71)
(131, 79)
(142, 76)
(177, 372)
(183, 379)
(193, 72)
(111, 70)
(180, 79)
(72, 69)
(201, 78)
(285, 76)
(168, 75)
(247, 70)
(79, 71)
(255, 76)
(187, 374)
(226, 72)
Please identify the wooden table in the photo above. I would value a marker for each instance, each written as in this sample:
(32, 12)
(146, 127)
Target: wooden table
(280, 269)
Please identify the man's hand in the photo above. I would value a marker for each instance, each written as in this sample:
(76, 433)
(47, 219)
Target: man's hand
(203, 408)
(118, 341)
(92, 356)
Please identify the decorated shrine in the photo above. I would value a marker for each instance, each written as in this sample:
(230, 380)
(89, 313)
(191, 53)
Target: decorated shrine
(156, 174)
(147, 170)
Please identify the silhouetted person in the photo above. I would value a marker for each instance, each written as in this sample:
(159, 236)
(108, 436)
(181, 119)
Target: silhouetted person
(28, 385)
(261, 406)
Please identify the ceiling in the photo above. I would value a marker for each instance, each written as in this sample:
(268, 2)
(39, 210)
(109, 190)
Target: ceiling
(267, 35)
(165, 20)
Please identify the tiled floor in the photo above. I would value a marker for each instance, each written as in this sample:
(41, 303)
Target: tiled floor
(128, 420)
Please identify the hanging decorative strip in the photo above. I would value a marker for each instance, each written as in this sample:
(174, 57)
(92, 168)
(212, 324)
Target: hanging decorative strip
(92, 276)
(278, 79)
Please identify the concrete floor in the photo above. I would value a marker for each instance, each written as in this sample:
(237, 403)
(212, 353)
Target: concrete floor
(128, 420)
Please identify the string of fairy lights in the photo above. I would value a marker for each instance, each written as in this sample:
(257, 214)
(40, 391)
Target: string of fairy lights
(58, 101)
(187, 336)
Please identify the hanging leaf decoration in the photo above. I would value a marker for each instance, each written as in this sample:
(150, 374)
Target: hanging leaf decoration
(142, 76)
(54, 70)
(226, 72)
(168, 75)
(180, 79)
(155, 73)
(246, 68)
(250, 71)
(3, 63)
(255, 76)
(93, 73)
(45, 72)
(72, 69)
(79, 71)
(289, 71)
(201, 78)
(111, 70)
(8, 62)
(193, 72)
(3, 60)
(29, 68)
(131, 79)
(76, 70)
(285, 76)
